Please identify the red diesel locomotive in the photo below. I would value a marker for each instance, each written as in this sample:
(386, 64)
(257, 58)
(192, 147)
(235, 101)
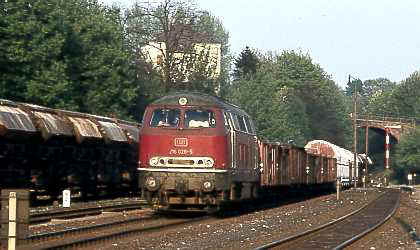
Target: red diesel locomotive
(196, 152)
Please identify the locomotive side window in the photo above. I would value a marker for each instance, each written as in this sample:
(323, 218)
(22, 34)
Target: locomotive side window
(241, 123)
(235, 121)
(227, 120)
(249, 125)
(165, 118)
(195, 118)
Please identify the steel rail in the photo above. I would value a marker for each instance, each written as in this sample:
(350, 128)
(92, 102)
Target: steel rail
(100, 233)
(68, 213)
(306, 233)
(370, 229)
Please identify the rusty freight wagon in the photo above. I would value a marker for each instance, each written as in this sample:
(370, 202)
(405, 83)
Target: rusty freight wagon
(285, 166)
(49, 150)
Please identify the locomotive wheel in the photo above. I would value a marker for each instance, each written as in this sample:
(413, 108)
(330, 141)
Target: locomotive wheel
(148, 196)
(225, 195)
(254, 190)
(236, 191)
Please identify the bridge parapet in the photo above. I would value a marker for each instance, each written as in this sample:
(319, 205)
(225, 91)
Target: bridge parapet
(395, 126)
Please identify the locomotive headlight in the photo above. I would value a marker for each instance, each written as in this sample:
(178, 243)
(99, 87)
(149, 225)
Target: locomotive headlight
(209, 163)
(207, 186)
(152, 184)
(153, 161)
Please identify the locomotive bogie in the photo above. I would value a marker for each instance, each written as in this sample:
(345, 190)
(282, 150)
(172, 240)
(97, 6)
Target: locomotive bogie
(193, 189)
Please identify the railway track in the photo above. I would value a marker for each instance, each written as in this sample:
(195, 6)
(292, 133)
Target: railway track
(101, 233)
(345, 230)
(37, 217)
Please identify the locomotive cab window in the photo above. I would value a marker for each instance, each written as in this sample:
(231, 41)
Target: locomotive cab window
(196, 118)
(165, 118)
(234, 119)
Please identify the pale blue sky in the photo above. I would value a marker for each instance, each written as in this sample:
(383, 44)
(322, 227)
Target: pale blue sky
(365, 38)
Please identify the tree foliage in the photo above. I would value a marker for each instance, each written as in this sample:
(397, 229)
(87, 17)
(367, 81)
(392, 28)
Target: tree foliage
(383, 97)
(377, 96)
(355, 85)
(293, 98)
(246, 64)
(66, 54)
(279, 114)
(406, 96)
(408, 154)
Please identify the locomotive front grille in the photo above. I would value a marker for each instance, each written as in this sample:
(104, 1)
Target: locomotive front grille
(180, 162)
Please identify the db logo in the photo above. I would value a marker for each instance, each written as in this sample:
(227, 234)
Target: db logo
(181, 142)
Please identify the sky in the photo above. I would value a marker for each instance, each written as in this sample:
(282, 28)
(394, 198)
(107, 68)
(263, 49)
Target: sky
(366, 39)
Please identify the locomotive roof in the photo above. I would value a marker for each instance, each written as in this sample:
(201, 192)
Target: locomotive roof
(199, 99)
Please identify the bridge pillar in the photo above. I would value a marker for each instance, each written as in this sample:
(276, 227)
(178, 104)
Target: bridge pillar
(387, 148)
(366, 179)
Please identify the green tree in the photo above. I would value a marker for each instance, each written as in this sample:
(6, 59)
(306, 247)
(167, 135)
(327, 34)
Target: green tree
(383, 97)
(354, 84)
(66, 54)
(406, 96)
(26, 43)
(325, 104)
(377, 86)
(278, 113)
(408, 154)
(377, 93)
(290, 97)
(245, 64)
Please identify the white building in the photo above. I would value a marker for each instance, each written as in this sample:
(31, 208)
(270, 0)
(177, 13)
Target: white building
(155, 53)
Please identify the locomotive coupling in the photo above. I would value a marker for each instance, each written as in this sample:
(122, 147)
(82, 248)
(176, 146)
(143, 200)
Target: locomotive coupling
(207, 186)
(152, 183)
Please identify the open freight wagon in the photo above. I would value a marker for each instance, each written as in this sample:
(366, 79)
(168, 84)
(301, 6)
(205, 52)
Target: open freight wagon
(49, 150)
(288, 166)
